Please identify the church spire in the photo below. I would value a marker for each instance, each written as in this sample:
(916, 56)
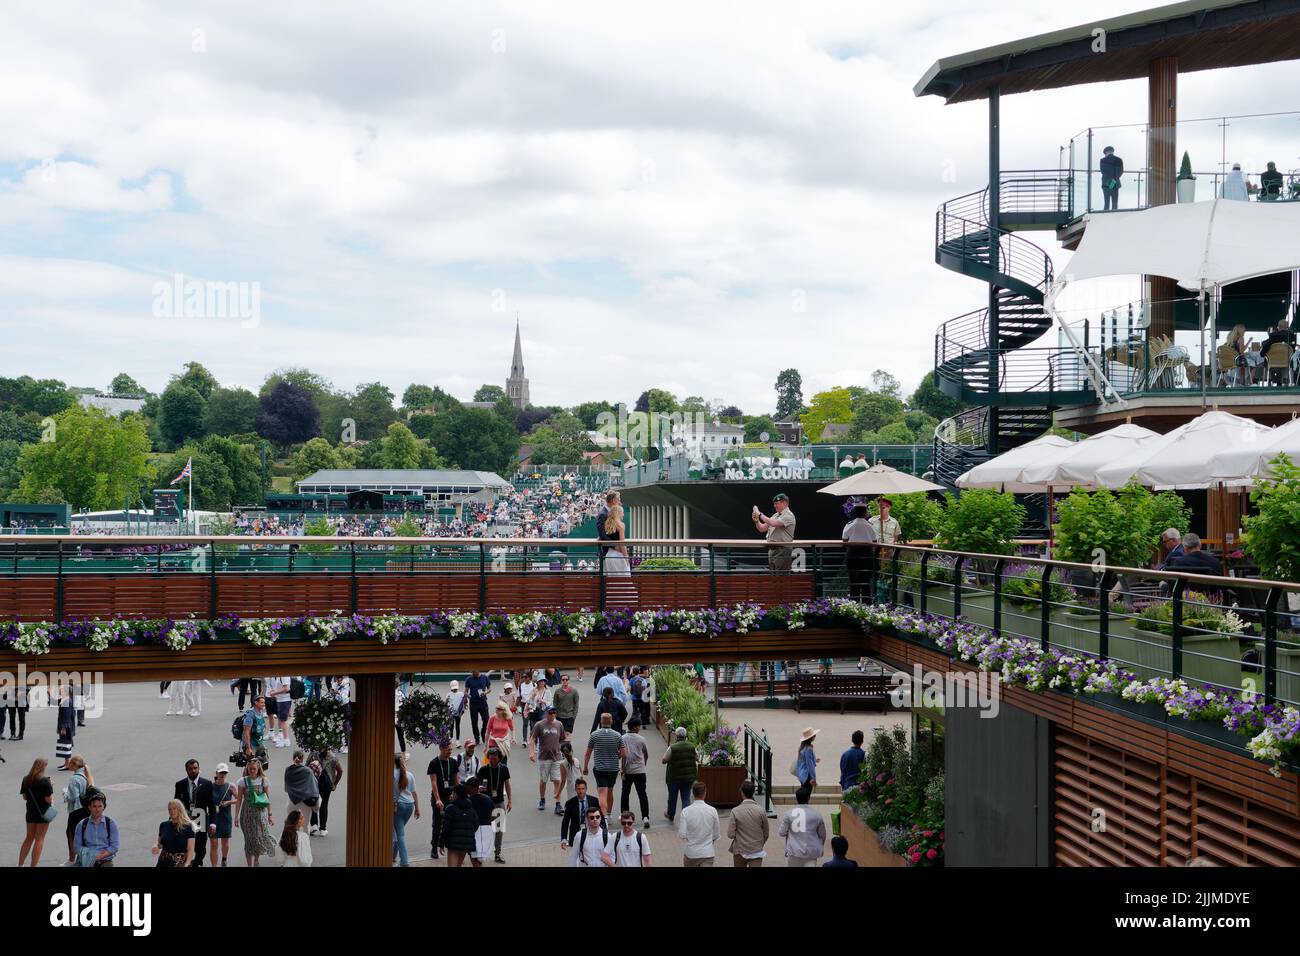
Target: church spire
(517, 383)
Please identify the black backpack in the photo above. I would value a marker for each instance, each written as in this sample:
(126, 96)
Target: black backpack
(640, 847)
(297, 689)
(582, 839)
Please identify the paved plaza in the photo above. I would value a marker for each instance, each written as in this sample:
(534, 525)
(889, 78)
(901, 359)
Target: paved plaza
(137, 754)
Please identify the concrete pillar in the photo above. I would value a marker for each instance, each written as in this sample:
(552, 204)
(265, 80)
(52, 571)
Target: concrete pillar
(370, 772)
(1162, 168)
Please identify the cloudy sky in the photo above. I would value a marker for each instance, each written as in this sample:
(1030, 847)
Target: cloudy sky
(687, 196)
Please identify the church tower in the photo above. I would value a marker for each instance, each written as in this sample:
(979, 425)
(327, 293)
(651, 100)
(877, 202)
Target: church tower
(517, 384)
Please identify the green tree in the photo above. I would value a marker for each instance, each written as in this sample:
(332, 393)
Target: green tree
(331, 407)
(429, 457)
(475, 438)
(1103, 528)
(929, 399)
(1273, 532)
(125, 385)
(198, 378)
(315, 455)
(372, 407)
(417, 396)
(24, 394)
(401, 447)
(242, 464)
(789, 394)
(833, 405)
(371, 454)
(562, 442)
(230, 411)
(10, 474)
(22, 428)
(980, 520)
(180, 413)
(490, 393)
(661, 400)
(214, 489)
(874, 410)
(421, 425)
(918, 515)
(95, 460)
(886, 384)
(589, 413)
(755, 425)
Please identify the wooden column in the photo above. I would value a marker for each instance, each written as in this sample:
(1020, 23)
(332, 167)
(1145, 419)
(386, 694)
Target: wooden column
(1162, 168)
(370, 772)
(1223, 516)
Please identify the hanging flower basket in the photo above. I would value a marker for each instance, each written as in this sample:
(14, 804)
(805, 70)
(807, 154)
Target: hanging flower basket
(425, 716)
(321, 724)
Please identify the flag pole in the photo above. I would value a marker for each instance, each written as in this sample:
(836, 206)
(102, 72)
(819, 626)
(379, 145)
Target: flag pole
(194, 526)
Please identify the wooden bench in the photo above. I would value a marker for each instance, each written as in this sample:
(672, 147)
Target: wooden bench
(840, 689)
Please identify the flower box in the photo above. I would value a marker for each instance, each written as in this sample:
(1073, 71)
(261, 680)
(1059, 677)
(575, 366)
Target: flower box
(723, 784)
(864, 842)
(1152, 712)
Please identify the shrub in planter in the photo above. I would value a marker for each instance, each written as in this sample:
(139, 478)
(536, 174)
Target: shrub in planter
(667, 564)
(918, 515)
(1273, 532)
(1198, 615)
(1026, 588)
(980, 520)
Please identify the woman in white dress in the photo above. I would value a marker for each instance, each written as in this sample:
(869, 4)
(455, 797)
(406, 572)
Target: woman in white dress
(619, 590)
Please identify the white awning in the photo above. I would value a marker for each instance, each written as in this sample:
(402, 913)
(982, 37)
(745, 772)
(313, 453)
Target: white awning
(1181, 459)
(1005, 472)
(1239, 466)
(1197, 244)
(1077, 467)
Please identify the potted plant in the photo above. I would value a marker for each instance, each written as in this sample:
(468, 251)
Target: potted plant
(721, 766)
(894, 816)
(1186, 180)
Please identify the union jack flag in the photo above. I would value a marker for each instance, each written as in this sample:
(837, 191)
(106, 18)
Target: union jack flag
(189, 462)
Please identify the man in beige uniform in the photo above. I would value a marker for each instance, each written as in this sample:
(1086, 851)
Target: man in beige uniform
(887, 532)
(748, 829)
(780, 533)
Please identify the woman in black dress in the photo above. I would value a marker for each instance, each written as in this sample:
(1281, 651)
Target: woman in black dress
(175, 846)
(67, 726)
(38, 793)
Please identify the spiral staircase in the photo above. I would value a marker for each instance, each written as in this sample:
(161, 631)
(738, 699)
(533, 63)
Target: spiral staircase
(1012, 383)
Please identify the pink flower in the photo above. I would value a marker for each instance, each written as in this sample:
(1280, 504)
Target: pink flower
(916, 858)
(879, 777)
(927, 833)
(888, 801)
(931, 854)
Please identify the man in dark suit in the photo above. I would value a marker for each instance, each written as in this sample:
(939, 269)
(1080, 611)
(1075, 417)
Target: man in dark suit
(1112, 171)
(1193, 560)
(196, 793)
(575, 814)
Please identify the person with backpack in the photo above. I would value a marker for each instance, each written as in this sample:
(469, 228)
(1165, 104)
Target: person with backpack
(74, 796)
(96, 838)
(638, 686)
(589, 846)
(629, 846)
(459, 827)
(253, 813)
(302, 790)
(250, 728)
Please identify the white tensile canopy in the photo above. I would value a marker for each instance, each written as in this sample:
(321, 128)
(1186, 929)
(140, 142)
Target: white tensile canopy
(1078, 467)
(1239, 466)
(879, 480)
(1181, 458)
(1199, 245)
(1006, 471)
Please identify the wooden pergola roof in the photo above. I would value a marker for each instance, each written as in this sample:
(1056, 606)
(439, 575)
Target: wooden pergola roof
(1202, 34)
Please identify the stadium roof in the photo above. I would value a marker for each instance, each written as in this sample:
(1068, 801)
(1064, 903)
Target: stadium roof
(383, 477)
(1202, 34)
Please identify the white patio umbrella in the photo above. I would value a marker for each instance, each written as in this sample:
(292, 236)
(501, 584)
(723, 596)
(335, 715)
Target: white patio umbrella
(1077, 467)
(1181, 458)
(1006, 471)
(879, 480)
(1239, 466)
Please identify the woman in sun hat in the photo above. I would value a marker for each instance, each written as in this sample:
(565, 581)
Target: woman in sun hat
(500, 730)
(805, 763)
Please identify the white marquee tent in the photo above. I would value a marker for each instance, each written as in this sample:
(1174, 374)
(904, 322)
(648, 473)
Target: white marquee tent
(1078, 467)
(1181, 458)
(1006, 471)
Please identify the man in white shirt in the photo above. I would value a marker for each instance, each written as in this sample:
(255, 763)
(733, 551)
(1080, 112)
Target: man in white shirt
(589, 846)
(698, 827)
(628, 847)
(277, 696)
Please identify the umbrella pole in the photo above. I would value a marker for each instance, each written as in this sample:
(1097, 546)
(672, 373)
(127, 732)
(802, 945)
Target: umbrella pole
(1202, 324)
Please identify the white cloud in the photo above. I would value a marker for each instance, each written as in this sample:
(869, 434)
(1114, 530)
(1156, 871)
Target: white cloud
(651, 191)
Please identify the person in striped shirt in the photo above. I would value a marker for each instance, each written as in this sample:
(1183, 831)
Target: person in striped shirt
(606, 744)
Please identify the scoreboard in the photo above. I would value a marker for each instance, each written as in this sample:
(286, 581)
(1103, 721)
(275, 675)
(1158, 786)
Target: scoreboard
(168, 504)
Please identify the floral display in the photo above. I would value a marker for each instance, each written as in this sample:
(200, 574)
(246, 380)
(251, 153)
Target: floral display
(425, 717)
(321, 724)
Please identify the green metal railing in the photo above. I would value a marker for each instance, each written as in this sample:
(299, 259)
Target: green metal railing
(758, 761)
